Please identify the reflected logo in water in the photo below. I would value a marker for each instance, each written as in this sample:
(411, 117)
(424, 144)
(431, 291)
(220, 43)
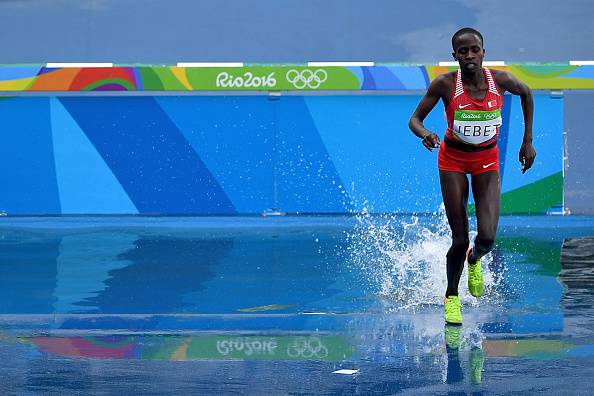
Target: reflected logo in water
(307, 348)
(248, 346)
(202, 347)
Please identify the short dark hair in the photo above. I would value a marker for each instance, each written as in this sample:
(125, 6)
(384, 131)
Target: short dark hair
(464, 31)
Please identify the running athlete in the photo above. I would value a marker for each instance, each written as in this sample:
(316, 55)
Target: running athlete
(473, 97)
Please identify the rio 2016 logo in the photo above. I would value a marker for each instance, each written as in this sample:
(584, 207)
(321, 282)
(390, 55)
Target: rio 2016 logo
(307, 78)
(247, 80)
(299, 79)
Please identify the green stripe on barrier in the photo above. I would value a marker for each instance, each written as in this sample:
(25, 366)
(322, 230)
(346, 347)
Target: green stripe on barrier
(538, 197)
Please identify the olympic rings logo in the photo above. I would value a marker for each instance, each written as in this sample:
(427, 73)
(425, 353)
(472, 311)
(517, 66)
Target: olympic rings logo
(307, 78)
(310, 348)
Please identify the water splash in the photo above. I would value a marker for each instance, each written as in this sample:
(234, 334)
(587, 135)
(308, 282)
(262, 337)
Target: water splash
(402, 258)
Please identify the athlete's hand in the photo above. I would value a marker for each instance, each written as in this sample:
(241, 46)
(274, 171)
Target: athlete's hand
(527, 155)
(431, 141)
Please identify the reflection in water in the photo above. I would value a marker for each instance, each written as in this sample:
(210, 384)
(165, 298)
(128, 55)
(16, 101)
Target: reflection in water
(453, 344)
(282, 310)
(162, 271)
(84, 264)
(476, 364)
(107, 272)
(27, 265)
(454, 370)
(577, 277)
(577, 262)
(406, 356)
(529, 348)
(329, 348)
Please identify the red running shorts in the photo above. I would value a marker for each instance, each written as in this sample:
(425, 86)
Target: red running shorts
(451, 159)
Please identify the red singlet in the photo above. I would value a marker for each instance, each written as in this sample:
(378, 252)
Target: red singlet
(470, 143)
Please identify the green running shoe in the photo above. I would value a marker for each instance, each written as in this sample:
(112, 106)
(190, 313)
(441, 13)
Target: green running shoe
(475, 278)
(452, 336)
(476, 361)
(453, 310)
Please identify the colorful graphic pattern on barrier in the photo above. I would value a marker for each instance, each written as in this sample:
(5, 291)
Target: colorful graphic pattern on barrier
(266, 78)
(248, 154)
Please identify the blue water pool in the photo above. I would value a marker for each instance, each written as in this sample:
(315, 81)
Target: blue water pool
(278, 304)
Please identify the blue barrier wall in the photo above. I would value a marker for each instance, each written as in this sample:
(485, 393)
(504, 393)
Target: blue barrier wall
(240, 154)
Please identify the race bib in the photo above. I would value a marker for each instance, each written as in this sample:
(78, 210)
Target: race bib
(476, 126)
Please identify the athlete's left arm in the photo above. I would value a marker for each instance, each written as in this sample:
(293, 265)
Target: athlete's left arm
(511, 84)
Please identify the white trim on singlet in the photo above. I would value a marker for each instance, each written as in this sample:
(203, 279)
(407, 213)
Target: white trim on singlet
(490, 83)
(459, 87)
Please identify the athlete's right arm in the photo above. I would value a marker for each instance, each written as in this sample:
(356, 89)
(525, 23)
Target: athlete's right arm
(427, 103)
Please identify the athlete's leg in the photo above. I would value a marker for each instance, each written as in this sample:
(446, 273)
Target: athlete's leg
(454, 189)
(486, 192)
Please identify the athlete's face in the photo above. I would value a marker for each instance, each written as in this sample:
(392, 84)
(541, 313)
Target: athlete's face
(469, 51)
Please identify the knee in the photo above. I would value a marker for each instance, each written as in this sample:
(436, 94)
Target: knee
(460, 243)
(484, 244)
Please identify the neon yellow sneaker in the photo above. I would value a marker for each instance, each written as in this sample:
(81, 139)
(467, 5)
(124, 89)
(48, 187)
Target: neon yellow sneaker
(452, 336)
(453, 310)
(476, 361)
(475, 278)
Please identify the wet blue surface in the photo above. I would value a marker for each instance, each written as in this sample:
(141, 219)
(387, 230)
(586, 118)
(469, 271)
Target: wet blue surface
(275, 305)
